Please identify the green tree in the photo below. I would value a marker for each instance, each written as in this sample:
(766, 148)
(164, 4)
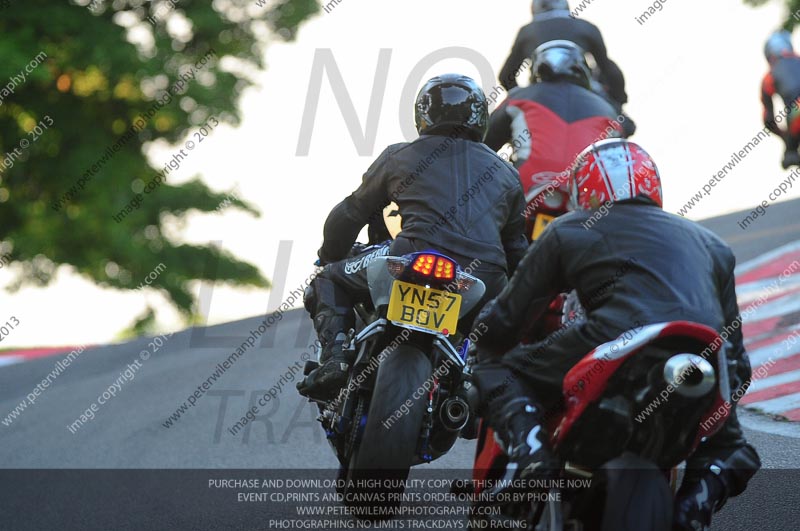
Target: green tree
(76, 127)
(793, 11)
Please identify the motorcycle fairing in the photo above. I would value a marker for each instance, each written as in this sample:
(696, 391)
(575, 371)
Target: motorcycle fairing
(613, 354)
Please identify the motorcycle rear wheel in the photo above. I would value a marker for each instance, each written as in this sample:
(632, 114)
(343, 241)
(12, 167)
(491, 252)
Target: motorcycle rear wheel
(638, 496)
(388, 445)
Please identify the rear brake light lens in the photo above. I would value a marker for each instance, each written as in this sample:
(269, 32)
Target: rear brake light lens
(424, 264)
(429, 265)
(444, 270)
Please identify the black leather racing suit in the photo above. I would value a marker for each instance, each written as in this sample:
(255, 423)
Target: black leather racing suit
(454, 195)
(638, 265)
(559, 25)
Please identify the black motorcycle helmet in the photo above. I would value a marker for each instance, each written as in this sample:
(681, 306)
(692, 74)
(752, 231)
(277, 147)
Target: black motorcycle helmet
(555, 60)
(542, 6)
(452, 104)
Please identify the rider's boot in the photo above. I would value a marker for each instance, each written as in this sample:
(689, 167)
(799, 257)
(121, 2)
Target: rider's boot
(519, 431)
(324, 382)
(333, 316)
(790, 158)
(697, 501)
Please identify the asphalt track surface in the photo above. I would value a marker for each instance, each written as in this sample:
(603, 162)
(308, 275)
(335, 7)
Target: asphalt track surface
(128, 431)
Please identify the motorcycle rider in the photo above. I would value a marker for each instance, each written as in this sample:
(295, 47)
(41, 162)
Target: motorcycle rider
(551, 121)
(687, 276)
(552, 21)
(783, 79)
(424, 178)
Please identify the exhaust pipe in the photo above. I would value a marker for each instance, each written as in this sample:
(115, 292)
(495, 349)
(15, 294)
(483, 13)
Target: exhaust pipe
(691, 375)
(454, 413)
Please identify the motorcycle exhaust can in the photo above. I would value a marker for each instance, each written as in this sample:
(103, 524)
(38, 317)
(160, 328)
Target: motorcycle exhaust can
(691, 375)
(454, 413)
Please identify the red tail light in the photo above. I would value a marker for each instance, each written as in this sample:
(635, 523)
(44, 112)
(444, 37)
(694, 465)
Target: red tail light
(434, 266)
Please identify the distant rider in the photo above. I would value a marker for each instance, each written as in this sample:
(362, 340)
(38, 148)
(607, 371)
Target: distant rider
(552, 21)
(783, 79)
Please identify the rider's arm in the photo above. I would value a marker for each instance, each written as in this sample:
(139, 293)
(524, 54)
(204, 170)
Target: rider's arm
(499, 128)
(348, 217)
(536, 282)
(611, 74)
(508, 74)
(767, 92)
(616, 83)
(513, 233)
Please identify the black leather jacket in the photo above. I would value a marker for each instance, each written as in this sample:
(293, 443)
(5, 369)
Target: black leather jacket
(457, 195)
(638, 265)
(560, 26)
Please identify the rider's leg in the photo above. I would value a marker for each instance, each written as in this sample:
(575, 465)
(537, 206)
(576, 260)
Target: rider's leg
(792, 140)
(331, 309)
(721, 467)
(545, 364)
(330, 299)
(516, 417)
(517, 391)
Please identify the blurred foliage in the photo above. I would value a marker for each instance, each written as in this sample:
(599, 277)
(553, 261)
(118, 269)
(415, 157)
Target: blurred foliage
(792, 15)
(106, 63)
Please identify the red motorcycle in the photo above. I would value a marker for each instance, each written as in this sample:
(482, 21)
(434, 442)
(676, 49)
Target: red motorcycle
(634, 408)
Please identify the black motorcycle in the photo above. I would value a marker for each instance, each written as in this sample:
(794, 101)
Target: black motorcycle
(403, 404)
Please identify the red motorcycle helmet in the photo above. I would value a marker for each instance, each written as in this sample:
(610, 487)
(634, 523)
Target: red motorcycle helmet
(613, 170)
